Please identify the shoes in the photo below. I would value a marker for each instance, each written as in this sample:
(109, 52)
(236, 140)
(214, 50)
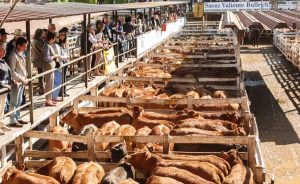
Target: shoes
(16, 125)
(5, 128)
(50, 104)
(23, 122)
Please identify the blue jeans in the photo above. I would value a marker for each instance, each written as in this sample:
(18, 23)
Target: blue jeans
(16, 97)
(57, 82)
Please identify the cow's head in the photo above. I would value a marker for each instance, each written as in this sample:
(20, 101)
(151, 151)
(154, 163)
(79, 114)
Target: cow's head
(136, 111)
(71, 119)
(118, 152)
(9, 175)
(231, 157)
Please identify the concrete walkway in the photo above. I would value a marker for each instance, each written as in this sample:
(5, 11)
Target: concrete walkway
(273, 89)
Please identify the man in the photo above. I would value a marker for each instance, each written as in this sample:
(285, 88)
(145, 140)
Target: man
(17, 65)
(52, 28)
(108, 31)
(12, 43)
(5, 79)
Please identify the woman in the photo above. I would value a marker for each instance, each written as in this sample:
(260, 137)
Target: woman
(37, 56)
(50, 59)
(101, 43)
(62, 43)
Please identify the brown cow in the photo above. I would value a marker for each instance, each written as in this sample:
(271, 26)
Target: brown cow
(78, 120)
(140, 122)
(196, 131)
(15, 176)
(239, 172)
(60, 168)
(219, 94)
(108, 128)
(139, 111)
(126, 130)
(89, 172)
(54, 145)
(162, 180)
(141, 132)
(203, 169)
(128, 181)
(220, 163)
(159, 130)
(181, 175)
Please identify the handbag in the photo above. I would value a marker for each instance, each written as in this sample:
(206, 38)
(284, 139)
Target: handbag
(57, 64)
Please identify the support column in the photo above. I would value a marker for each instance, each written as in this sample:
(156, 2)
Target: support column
(85, 60)
(29, 71)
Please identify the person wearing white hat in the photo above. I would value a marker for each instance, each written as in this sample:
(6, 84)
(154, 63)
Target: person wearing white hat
(12, 43)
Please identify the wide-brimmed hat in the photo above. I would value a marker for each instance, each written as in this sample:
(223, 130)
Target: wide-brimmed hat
(18, 33)
(3, 32)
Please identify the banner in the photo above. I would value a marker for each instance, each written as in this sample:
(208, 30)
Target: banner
(236, 6)
(109, 62)
(198, 9)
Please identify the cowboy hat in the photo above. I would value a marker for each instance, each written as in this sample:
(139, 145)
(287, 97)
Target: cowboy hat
(18, 33)
(3, 32)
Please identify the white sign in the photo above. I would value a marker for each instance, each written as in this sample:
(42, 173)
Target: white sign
(148, 40)
(289, 5)
(236, 6)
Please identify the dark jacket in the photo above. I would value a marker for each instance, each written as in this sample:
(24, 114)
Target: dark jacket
(5, 74)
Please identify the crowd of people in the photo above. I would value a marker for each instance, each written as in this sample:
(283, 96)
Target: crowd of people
(49, 51)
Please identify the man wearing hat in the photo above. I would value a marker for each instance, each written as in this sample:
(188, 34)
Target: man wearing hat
(3, 36)
(12, 43)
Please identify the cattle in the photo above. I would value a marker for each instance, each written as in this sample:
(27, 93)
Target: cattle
(87, 129)
(125, 130)
(205, 170)
(140, 122)
(196, 132)
(143, 161)
(220, 163)
(89, 172)
(108, 128)
(162, 180)
(78, 120)
(159, 130)
(118, 152)
(55, 145)
(207, 124)
(181, 175)
(219, 94)
(141, 132)
(149, 72)
(60, 168)
(239, 172)
(120, 173)
(110, 110)
(139, 111)
(15, 176)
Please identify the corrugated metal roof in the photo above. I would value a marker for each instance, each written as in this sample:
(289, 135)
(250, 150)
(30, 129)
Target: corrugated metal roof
(230, 19)
(250, 21)
(23, 12)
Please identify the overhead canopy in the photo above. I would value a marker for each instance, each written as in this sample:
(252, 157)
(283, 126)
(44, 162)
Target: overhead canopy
(24, 12)
(250, 21)
(230, 20)
(270, 21)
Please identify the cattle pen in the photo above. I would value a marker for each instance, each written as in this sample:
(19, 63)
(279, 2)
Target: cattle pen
(195, 57)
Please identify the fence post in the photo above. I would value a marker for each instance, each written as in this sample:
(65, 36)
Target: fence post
(29, 70)
(19, 149)
(91, 146)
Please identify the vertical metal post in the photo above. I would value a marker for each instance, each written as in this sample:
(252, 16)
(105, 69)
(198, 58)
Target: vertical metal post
(116, 17)
(117, 54)
(28, 68)
(50, 21)
(89, 18)
(85, 50)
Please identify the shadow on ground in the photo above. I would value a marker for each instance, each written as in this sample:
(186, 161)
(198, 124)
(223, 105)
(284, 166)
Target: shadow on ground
(273, 125)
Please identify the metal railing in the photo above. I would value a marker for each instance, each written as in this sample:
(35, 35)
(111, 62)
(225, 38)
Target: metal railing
(32, 99)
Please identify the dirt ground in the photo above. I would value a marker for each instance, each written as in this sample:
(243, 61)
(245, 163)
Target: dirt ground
(272, 85)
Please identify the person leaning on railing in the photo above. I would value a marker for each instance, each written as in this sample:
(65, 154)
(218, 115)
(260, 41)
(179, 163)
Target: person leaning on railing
(17, 65)
(50, 59)
(37, 56)
(5, 81)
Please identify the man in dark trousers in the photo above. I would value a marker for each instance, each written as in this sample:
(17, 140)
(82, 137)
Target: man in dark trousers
(254, 36)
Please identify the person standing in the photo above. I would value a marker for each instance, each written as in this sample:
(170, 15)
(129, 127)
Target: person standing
(50, 59)
(17, 65)
(5, 81)
(37, 56)
(12, 43)
(3, 37)
(62, 43)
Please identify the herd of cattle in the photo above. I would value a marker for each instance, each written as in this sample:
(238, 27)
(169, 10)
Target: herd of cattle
(225, 168)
